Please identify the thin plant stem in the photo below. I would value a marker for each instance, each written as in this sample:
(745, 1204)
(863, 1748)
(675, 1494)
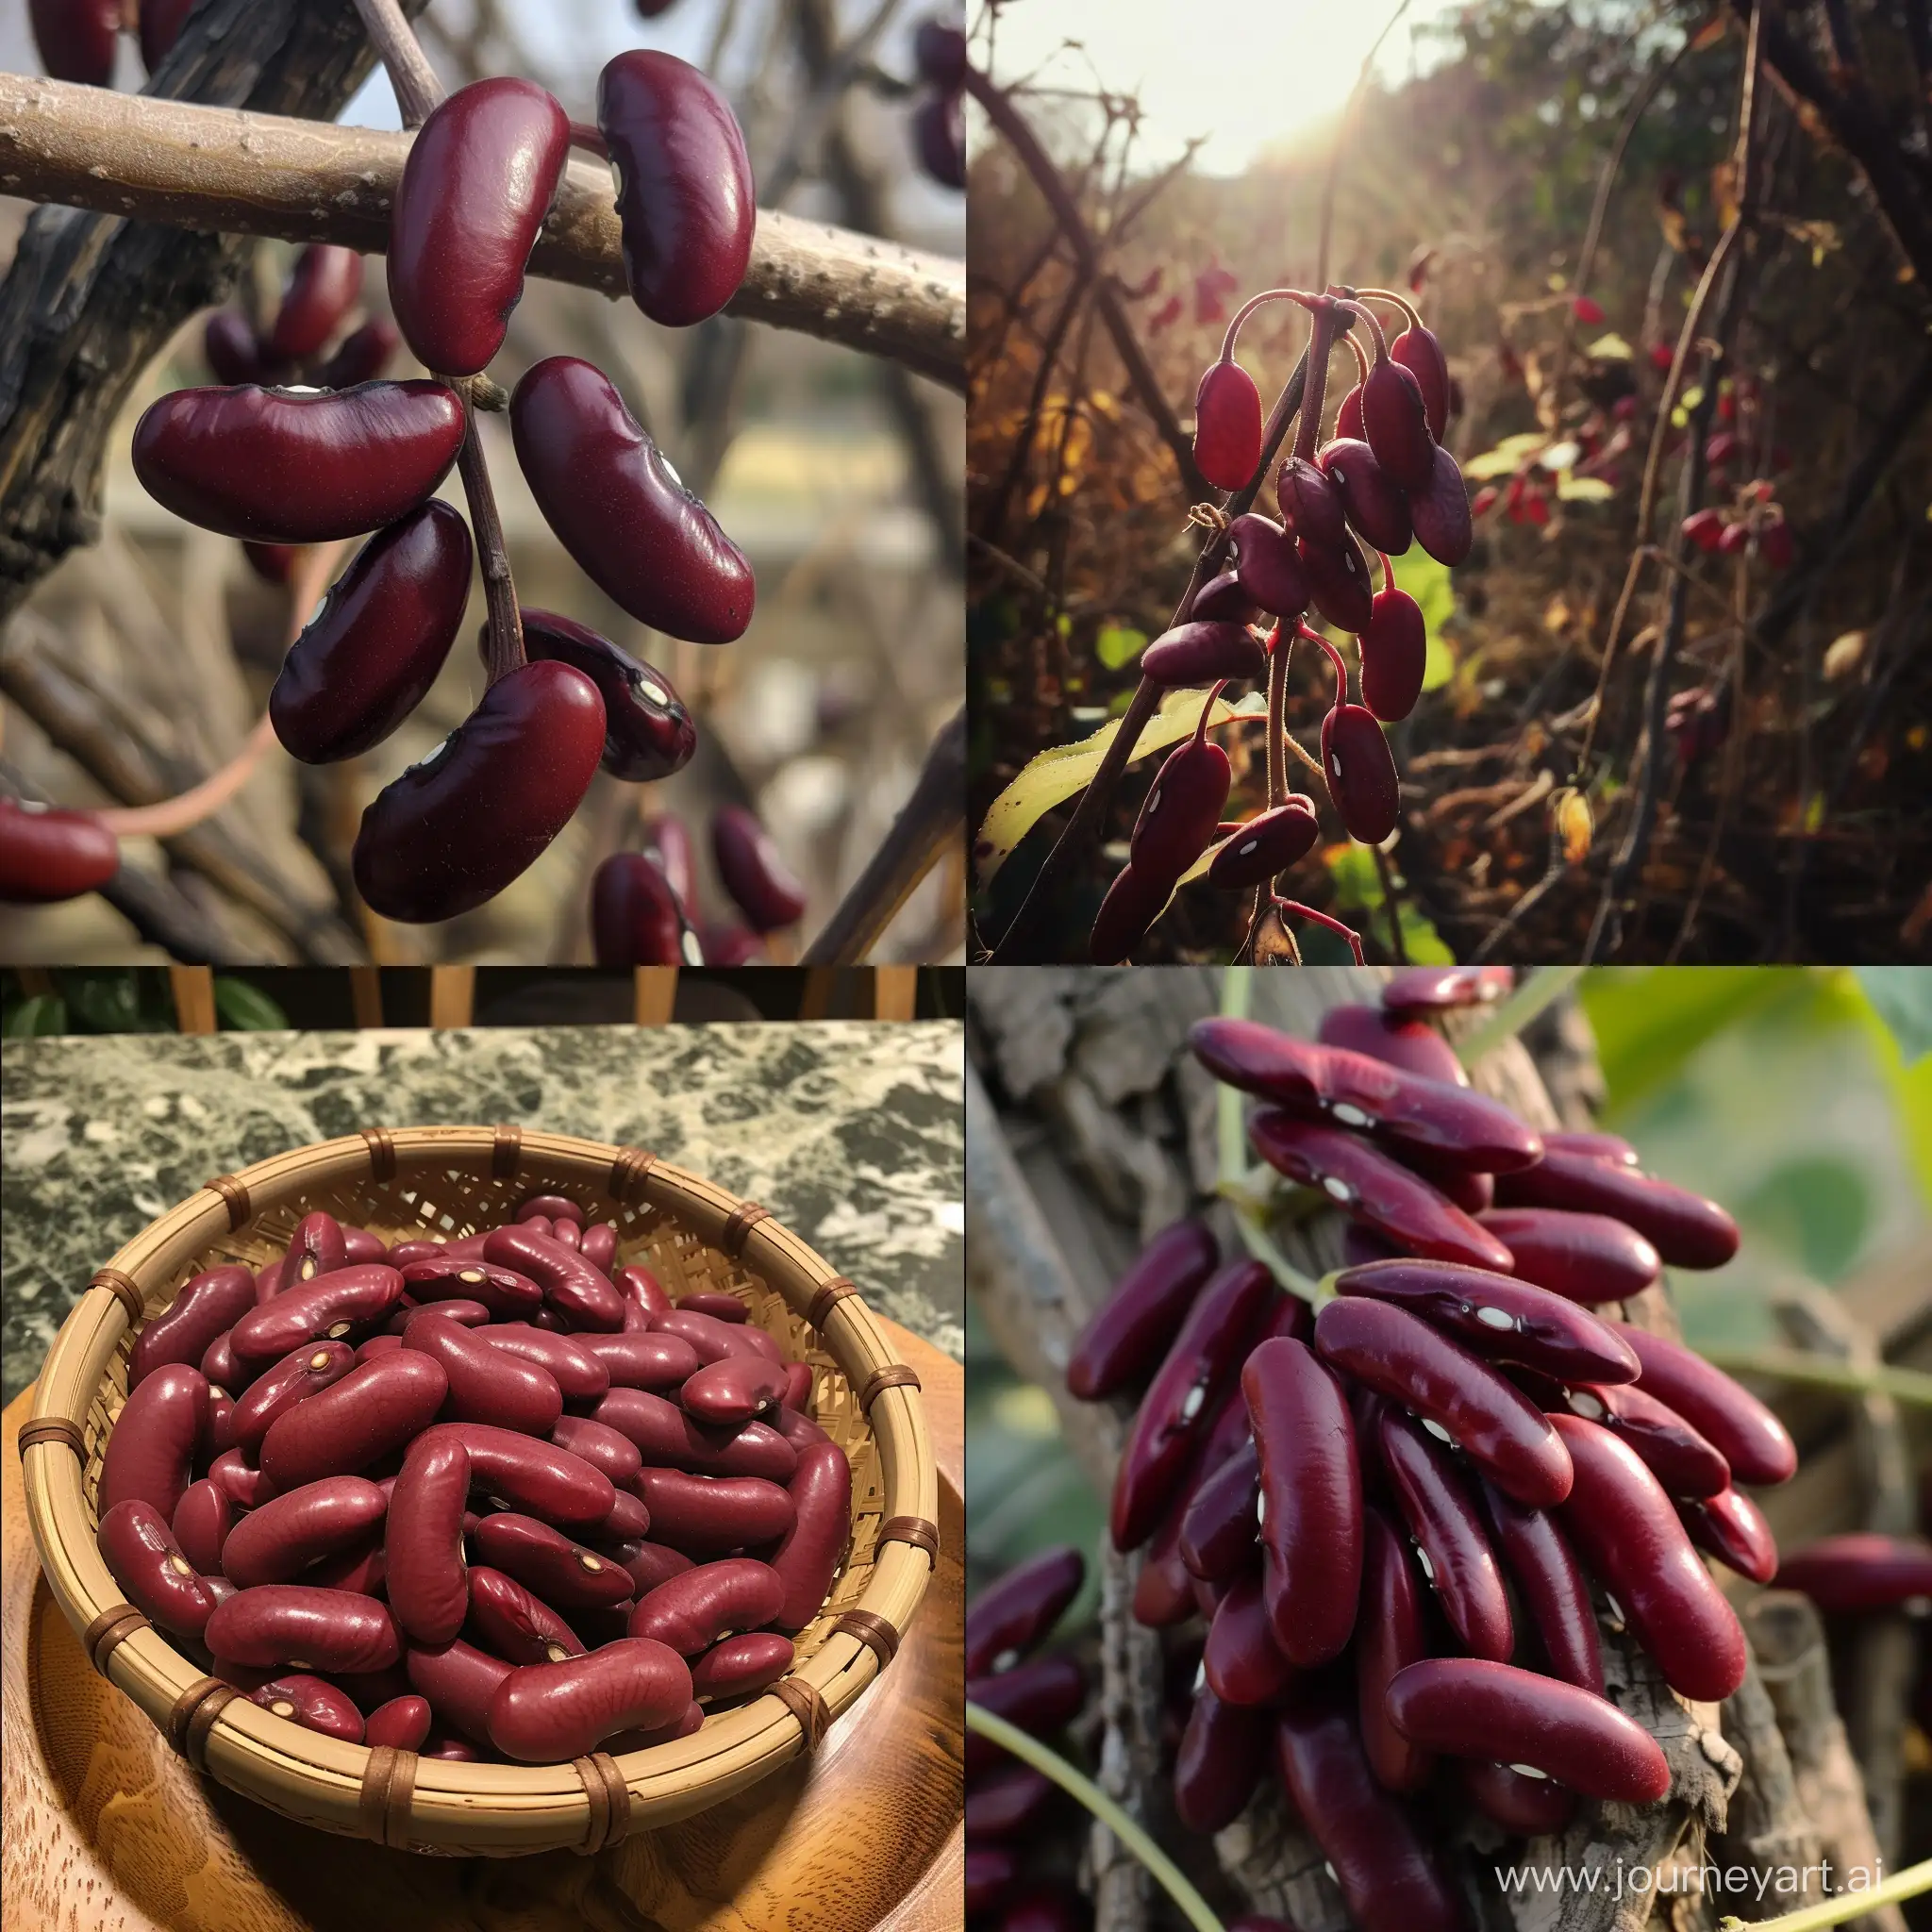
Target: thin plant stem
(1793, 1365)
(1900, 1885)
(1543, 987)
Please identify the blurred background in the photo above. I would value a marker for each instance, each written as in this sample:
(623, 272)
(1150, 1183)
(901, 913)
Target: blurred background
(838, 474)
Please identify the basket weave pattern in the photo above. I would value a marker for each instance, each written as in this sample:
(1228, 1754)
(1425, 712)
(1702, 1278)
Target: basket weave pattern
(449, 1182)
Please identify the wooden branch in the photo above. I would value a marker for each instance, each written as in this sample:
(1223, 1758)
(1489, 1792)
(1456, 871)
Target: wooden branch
(1132, 1686)
(216, 170)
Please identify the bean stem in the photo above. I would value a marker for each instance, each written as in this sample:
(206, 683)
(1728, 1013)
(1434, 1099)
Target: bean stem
(1543, 987)
(1793, 1365)
(1909, 1882)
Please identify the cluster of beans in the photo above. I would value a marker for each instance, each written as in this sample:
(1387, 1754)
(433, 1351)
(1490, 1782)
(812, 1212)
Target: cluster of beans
(1402, 1517)
(491, 1498)
(283, 466)
(939, 122)
(1383, 480)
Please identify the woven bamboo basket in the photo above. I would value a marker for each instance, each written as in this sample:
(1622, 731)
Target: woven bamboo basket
(448, 1182)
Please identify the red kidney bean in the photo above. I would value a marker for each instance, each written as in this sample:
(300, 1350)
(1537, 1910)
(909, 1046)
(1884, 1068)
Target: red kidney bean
(246, 1487)
(644, 1298)
(150, 1453)
(1499, 1318)
(375, 1407)
(989, 1875)
(647, 1565)
(1041, 1697)
(598, 1443)
(377, 1344)
(1410, 1045)
(636, 919)
(1471, 1191)
(545, 1560)
(717, 1303)
(204, 1311)
(362, 1247)
(321, 290)
(1457, 1126)
(741, 1664)
(1164, 1592)
(372, 1689)
(620, 509)
(276, 1543)
(1016, 1614)
(153, 1569)
(709, 1339)
(1242, 1661)
(402, 1723)
(76, 43)
(1375, 501)
(628, 1518)
(1394, 1634)
(1860, 1572)
(513, 1624)
(530, 1476)
(550, 1713)
(1372, 1187)
(313, 1703)
(458, 1680)
(369, 656)
(642, 1359)
(648, 1739)
(703, 1514)
(465, 1315)
(1220, 1523)
(551, 1206)
(1745, 1433)
(798, 1431)
(797, 1385)
(479, 179)
(579, 1374)
(1682, 1460)
(1400, 1355)
(600, 1241)
(486, 1385)
(752, 871)
(1687, 1230)
(1551, 1586)
(1444, 988)
(285, 466)
(220, 1433)
(427, 1580)
(1006, 1801)
(575, 1290)
(1586, 1257)
(1133, 1329)
(219, 1365)
(1528, 1805)
(1184, 1397)
(1223, 1753)
(363, 1568)
(1471, 1708)
(814, 1546)
(1629, 1536)
(685, 197)
(1450, 1539)
(1355, 757)
(1389, 1878)
(402, 1253)
(447, 1745)
(664, 1433)
(319, 1247)
(566, 1234)
(1203, 653)
(1731, 1527)
(1311, 1501)
(1610, 1147)
(290, 1624)
(739, 1390)
(327, 1308)
(201, 1519)
(47, 856)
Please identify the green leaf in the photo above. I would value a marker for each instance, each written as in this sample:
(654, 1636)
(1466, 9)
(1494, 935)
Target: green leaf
(35, 1019)
(1507, 458)
(247, 1008)
(1583, 489)
(1650, 1020)
(1902, 998)
(1359, 894)
(1056, 774)
(1608, 348)
(1117, 644)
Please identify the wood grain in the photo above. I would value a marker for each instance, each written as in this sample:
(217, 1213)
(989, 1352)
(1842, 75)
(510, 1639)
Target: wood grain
(105, 1827)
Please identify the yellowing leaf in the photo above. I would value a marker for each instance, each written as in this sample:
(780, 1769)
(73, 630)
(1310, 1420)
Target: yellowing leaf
(1583, 489)
(1571, 811)
(1842, 656)
(1056, 774)
(1507, 458)
(1119, 644)
(1609, 348)
(1560, 456)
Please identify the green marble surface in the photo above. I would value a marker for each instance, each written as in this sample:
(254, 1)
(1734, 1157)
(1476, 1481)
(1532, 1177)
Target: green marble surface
(851, 1133)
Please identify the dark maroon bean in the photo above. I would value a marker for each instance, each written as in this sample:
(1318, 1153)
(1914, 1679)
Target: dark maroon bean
(1267, 844)
(649, 1564)
(1182, 808)
(1041, 1697)
(1016, 1614)
(739, 1390)
(1450, 1539)
(1164, 1592)
(696, 1608)
(220, 1433)
(1222, 600)
(1242, 1661)
(363, 1568)
(376, 1408)
(150, 1453)
(1200, 653)
(507, 1295)
(320, 291)
(618, 507)
(1394, 655)
(1394, 1634)
(647, 731)
(1440, 511)
(1262, 558)
(76, 38)
(643, 1359)
(752, 871)
(740, 1665)
(643, 1294)
(311, 1702)
(549, 1713)
(368, 657)
(1222, 1756)
(1338, 581)
(1444, 988)
(1419, 352)
(1861, 1574)
(246, 1487)
(1685, 1230)
(1220, 1523)
(685, 197)
(665, 1435)
(1686, 1463)
(600, 1245)
(486, 1385)
(1376, 503)
(812, 1549)
(1311, 508)
(714, 1340)
(1610, 1147)
(989, 1875)
(533, 1476)
(151, 1567)
(276, 1543)
(454, 830)
(1133, 902)
(202, 1521)
(363, 353)
(280, 1625)
(1745, 1433)
(402, 1723)
(509, 1622)
(458, 1680)
(319, 1247)
(1395, 420)
(233, 350)
(576, 1371)
(608, 1449)
(1410, 1045)
(1360, 770)
(283, 466)
(708, 1515)
(328, 1308)
(1530, 1806)
(1007, 1801)
(571, 1285)
(1587, 1258)
(46, 856)
(1731, 1527)
(1551, 1586)
(203, 1309)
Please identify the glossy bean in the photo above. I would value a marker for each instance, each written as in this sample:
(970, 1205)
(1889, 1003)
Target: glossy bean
(1451, 1542)
(477, 182)
(1411, 1044)
(548, 1562)
(798, 1431)
(1223, 1753)
(1527, 1805)
(313, 1703)
(402, 1724)
(276, 1543)
(1005, 1802)
(150, 1452)
(696, 1608)
(319, 1247)
(716, 1303)
(402, 1253)
(286, 466)
(1204, 653)
(812, 1549)
(1687, 1230)
(797, 1386)
(648, 733)
(1242, 1661)
(704, 1515)
(1398, 1354)
(550, 1206)
(1627, 1532)
(1473, 1192)
(1551, 1586)
(303, 1372)
(359, 1246)
(1444, 988)
(377, 1407)
(48, 854)
(456, 1749)
(583, 1294)
(320, 291)
(1744, 1431)
(643, 1294)
(608, 1449)
(347, 1302)
(486, 1385)
(989, 1872)
(647, 1565)
(222, 1371)
(530, 1476)
(372, 1689)
(579, 1374)
(1184, 1395)
(636, 919)
(452, 832)
(1164, 1591)
(1499, 1318)
(1610, 1147)
(1015, 1614)
(510, 1622)
(642, 1359)
(386, 1343)
(1394, 1634)
(1389, 1878)
(203, 1311)
(1587, 1258)
(648, 1737)
(600, 1245)
(1472, 1708)
(1370, 1186)
(1042, 1698)
(292, 1624)
(1221, 1522)
(201, 1522)
(1133, 1329)
(620, 510)
(566, 1234)
(1355, 758)
(153, 1569)
(741, 1664)
(627, 1522)
(1368, 1095)
(243, 1485)
(1860, 1573)
(665, 1435)
(711, 1340)
(467, 1316)
(1731, 1527)
(730, 1394)
(552, 1712)
(427, 1581)
(1311, 1501)
(1685, 1462)
(459, 1681)
(363, 1566)
(753, 872)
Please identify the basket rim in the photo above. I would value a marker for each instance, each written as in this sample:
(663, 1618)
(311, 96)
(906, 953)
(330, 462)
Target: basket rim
(449, 1801)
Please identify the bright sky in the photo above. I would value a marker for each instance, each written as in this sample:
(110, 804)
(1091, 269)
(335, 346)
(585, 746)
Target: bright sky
(1243, 75)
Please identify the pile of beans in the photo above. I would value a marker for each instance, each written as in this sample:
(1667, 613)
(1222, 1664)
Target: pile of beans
(493, 1498)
